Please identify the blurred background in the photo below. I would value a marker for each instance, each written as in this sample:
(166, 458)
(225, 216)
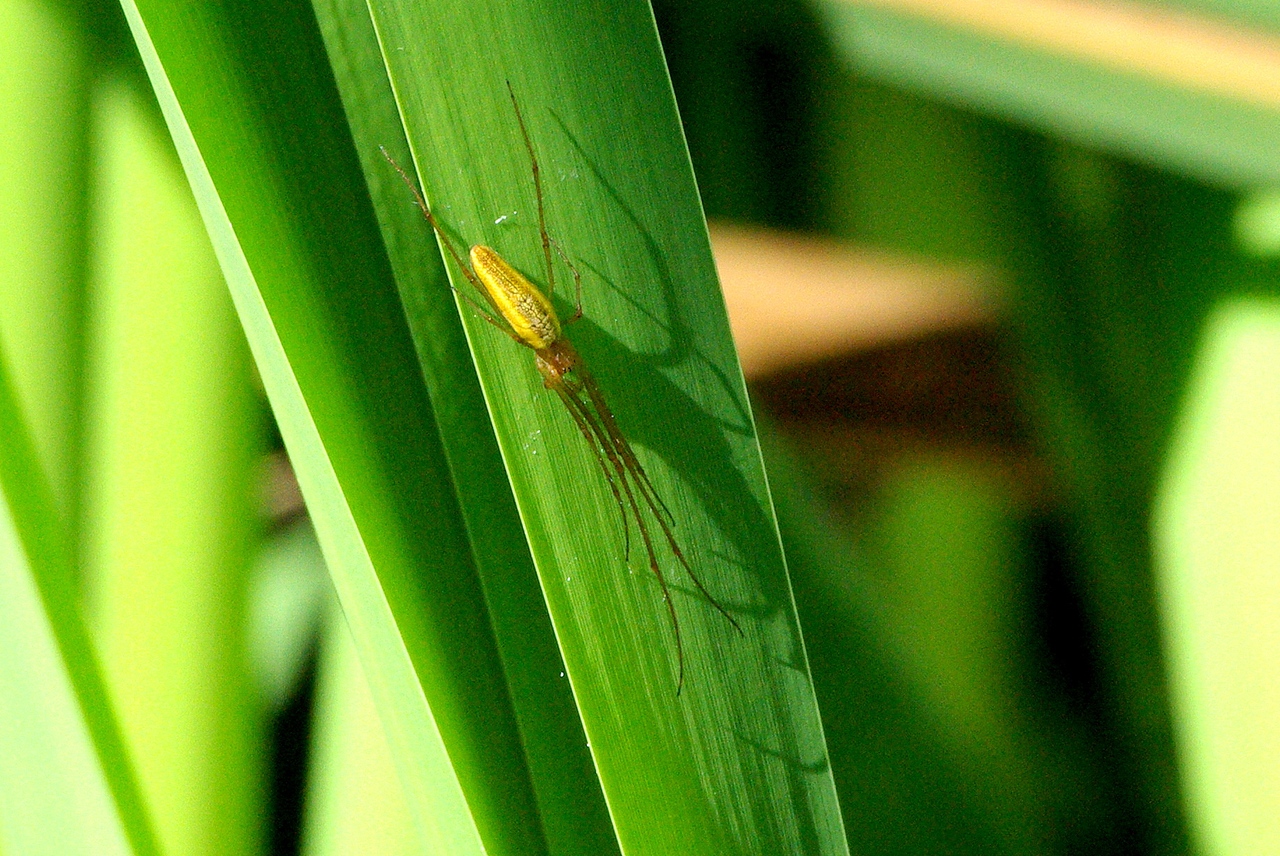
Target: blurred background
(1003, 277)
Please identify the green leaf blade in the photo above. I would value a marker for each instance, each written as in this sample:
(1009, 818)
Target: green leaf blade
(283, 201)
(66, 786)
(737, 762)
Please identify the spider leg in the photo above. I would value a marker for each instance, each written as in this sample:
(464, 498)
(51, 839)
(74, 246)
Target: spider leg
(627, 457)
(452, 250)
(537, 190)
(573, 405)
(606, 441)
(577, 283)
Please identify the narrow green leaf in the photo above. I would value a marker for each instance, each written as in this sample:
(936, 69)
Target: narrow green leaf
(571, 806)
(260, 137)
(737, 762)
(65, 784)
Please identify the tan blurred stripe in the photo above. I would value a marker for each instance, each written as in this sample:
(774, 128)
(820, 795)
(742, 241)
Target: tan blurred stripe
(1171, 45)
(794, 299)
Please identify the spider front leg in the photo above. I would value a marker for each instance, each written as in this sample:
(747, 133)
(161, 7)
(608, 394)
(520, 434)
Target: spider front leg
(577, 281)
(459, 260)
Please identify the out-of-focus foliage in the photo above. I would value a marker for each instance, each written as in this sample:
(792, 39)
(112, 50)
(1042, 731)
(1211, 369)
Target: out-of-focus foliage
(1051, 634)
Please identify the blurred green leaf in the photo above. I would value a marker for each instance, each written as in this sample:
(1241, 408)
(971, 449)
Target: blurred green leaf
(45, 80)
(65, 785)
(1217, 553)
(169, 492)
(1063, 72)
(354, 800)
